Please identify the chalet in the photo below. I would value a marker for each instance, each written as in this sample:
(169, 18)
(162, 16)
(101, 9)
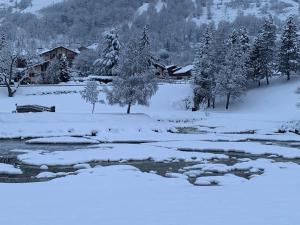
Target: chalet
(183, 73)
(160, 69)
(172, 69)
(35, 72)
(58, 52)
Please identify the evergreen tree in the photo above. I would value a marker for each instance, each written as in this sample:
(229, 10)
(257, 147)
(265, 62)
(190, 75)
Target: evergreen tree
(203, 73)
(109, 59)
(231, 79)
(145, 47)
(289, 50)
(136, 82)
(269, 46)
(64, 71)
(256, 63)
(244, 40)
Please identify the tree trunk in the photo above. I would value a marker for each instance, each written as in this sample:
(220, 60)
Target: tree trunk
(214, 103)
(228, 101)
(196, 103)
(288, 76)
(208, 103)
(10, 92)
(259, 83)
(129, 108)
(267, 78)
(93, 108)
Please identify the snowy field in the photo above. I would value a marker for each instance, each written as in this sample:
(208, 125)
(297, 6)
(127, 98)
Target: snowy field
(159, 165)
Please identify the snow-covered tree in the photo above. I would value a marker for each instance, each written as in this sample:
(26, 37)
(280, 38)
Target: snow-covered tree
(203, 72)
(84, 62)
(52, 74)
(136, 82)
(244, 39)
(256, 63)
(261, 57)
(289, 49)
(231, 79)
(145, 48)
(8, 66)
(269, 45)
(109, 59)
(91, 93)
(64, 70)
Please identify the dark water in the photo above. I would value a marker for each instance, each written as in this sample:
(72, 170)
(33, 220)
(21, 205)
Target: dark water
(8, 156)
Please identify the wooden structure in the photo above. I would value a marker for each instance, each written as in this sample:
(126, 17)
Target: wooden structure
(34, 72)
(173, 71)
(183, 73)
(34, 109)
(58, 52)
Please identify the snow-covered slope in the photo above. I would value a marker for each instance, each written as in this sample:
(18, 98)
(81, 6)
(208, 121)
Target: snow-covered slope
(228, 10)
(33, 8)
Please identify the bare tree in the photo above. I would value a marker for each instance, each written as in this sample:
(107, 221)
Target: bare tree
(8, 68)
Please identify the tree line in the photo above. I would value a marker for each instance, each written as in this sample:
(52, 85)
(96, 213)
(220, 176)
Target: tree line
(225, 64)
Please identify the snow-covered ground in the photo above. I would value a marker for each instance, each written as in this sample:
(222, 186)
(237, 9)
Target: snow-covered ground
(224, 167)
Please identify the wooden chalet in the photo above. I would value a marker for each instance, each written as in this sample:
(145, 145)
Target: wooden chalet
(183, 73)
(173, 71)
(58, 52)
(35, 71)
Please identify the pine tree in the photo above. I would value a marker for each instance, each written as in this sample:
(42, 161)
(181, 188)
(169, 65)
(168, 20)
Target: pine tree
(289, 50)
(109, 59)
(91, 93)
(2, 41)
(269, 45)
(244, 40)
(203, 73)
(231, 79)
(145, 47)
(136, 82)
(64, 71)
(256, 63)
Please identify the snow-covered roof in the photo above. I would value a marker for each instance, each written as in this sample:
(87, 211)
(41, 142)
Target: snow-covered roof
(185, 69)
(93, 46)
(50, 50)
(170, 66)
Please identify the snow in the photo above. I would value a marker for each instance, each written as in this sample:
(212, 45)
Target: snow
(9, 169)
(245, 147)
(185, 69)
(227, 179)
(109, 152)
(160, 5)
(50, 175)
(143, 8)
(93, 46)
(222, 11)
(62, 140)
(123, 194)
(118, 194)
(36, 6)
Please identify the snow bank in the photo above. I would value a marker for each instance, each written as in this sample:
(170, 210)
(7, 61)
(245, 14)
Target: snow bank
(62, 140)
(112, 153)
(9, 169)
(245, 147)
(121, 194)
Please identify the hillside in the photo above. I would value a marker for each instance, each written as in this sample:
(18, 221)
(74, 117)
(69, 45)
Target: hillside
(27, 6)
